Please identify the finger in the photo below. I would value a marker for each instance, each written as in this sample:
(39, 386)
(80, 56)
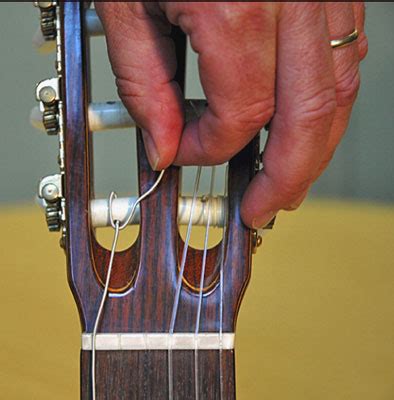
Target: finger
(143, 60)
(359, 16)
(341, 22)
(236, 56)
(305, 109)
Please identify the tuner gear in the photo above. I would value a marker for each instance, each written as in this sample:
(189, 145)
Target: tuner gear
(50, 120)
(48, 18)
(52, 214)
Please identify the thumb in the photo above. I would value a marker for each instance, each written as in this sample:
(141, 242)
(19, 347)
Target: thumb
(143, 60)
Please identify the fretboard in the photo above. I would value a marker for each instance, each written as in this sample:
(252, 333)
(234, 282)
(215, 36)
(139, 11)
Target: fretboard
(143, 375)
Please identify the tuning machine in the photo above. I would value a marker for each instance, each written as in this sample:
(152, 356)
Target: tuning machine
(48, 18)
(50, 194)
(48, 94)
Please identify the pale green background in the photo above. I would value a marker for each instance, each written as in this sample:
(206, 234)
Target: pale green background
(362, 167)
(317, 321)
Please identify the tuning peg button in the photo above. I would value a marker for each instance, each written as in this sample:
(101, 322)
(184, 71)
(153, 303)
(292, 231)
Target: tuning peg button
(50, 188)
(50, 192)
(47, 91)
(47, 94)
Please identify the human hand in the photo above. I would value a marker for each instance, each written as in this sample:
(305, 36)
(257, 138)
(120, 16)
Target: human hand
(258, 62)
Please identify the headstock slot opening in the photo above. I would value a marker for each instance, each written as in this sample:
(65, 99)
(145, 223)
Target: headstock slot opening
(207, 208)
(142, 296)
(113, 165)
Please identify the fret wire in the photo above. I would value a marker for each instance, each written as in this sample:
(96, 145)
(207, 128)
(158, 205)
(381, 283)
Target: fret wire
(179, 285)
(202, 277)
(221, 281)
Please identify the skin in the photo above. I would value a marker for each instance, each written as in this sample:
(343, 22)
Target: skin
(258, 62)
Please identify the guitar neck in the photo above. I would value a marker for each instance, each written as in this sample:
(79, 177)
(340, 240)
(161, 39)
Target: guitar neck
(159, 286)
(140, 374)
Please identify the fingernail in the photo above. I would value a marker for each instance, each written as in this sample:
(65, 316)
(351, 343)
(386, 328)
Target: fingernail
(262, 221)
(151, 149)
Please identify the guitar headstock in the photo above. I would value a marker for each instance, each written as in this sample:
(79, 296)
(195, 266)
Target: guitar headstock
(145, 276)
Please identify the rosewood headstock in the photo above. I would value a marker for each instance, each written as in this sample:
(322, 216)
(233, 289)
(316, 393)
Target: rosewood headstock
(144, 279)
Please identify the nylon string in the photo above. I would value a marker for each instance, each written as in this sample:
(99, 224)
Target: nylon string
(221, 285)
(179, 286)
(201, 287)
(118, 226)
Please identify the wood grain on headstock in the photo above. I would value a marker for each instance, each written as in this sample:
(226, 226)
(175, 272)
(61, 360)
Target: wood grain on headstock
(145, 274)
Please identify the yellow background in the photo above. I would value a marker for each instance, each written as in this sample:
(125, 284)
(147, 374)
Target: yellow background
(317, 321)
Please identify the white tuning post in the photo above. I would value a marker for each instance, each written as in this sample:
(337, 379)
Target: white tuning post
(109, 115)
(93, 24)
(99, 212)
(113, 115)
(93, 27)
(36, 119)
(101, 116)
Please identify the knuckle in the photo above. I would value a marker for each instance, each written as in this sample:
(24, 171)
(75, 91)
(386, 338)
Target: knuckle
(183, 14)
(237, 127)
(128, 88)
(362, 46)
(211, 153)
(233, 16)
(318, 107)
(251, 118)
(347, 86)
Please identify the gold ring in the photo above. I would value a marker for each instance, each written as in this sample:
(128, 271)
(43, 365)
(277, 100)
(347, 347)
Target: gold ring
(336, 43)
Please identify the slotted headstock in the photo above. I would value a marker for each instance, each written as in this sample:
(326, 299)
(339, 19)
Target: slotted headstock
(144, 279)
(144, 276)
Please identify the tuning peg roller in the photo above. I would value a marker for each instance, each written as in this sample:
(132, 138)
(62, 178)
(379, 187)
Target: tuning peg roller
(110, 115)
